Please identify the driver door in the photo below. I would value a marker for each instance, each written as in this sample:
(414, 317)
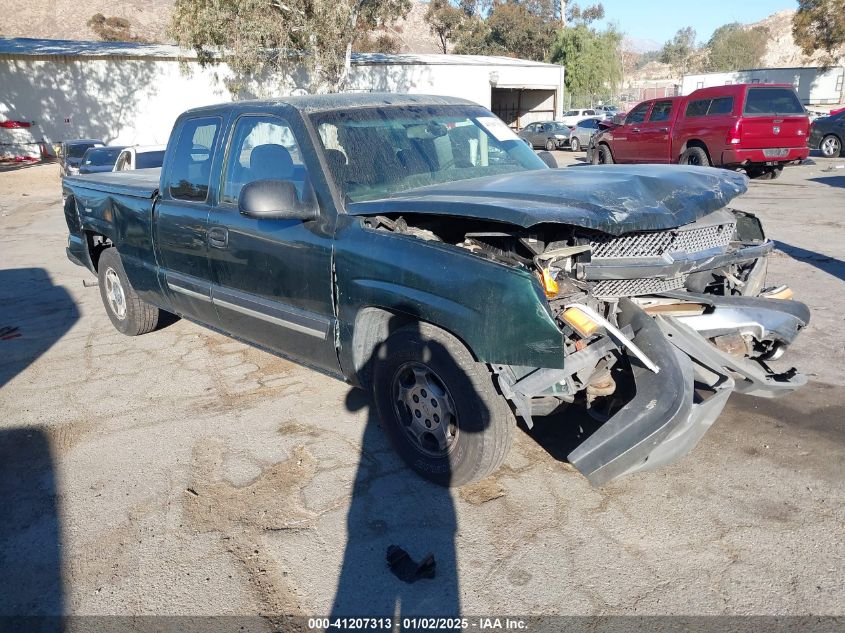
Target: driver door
(271, 278)
(627, 137)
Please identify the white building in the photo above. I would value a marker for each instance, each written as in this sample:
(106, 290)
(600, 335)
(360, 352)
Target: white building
(815, 86)
(127, 93)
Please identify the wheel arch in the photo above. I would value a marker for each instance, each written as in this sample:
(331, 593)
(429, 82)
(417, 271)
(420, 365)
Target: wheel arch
(694, 142)
(372, 327)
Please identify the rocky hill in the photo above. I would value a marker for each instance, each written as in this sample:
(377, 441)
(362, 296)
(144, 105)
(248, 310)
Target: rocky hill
(148, 19)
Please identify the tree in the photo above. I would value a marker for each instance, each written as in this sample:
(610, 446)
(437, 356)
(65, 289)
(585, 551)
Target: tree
(733, 47)
(679, 51)
(255, 37)
(591, 58)
(819, 25)
(444, 21)
(517, 31)
(112, 29)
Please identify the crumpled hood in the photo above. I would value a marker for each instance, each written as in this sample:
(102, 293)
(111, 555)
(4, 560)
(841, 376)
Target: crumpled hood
(614, 199)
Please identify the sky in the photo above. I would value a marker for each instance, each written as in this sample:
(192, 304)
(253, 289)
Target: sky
(659, 20)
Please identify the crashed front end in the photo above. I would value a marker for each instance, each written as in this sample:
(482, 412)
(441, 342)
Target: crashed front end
(683, 316)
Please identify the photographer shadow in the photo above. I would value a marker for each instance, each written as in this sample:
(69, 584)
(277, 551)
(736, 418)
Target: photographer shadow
(393, 506)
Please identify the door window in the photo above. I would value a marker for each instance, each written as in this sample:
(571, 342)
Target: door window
(637, 115)
(191, 169)
(661, 111)
(124, 162)
(262, 148)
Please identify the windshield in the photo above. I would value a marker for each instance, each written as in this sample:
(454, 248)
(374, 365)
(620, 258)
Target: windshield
(148, 160)
(375, 152)
(77, 150)
(101, 157)
(772, 101)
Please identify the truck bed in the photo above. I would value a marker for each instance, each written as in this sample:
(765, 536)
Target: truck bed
(140, 183)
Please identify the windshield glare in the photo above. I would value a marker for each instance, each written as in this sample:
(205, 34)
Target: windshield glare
(375, 152)
(101, 157)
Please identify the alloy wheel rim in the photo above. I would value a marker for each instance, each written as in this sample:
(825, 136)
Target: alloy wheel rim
(115, 294)
(830, 147)
(425, 409)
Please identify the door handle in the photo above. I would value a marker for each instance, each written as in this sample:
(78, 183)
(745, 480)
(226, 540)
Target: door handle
(218, 237)
(635, 130)
(663, 129)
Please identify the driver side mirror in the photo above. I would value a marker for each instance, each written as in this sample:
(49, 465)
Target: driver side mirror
(274, 200)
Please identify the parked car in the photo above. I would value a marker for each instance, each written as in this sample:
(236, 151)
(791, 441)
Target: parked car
(71, 153)
(415, 246)
(828, 134)
(581, 134)
(609, 110)
(140, 157)
(571, 118)
(99, 159)
(760, 128)
(549, 135)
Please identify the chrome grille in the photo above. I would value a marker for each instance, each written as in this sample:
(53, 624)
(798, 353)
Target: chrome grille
(614, 288)
(702, 238)
(690, 240)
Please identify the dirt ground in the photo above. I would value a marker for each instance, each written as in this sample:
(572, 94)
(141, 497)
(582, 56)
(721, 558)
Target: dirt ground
(181, 472)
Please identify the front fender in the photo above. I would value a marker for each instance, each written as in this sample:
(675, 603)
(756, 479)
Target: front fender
(498, 311)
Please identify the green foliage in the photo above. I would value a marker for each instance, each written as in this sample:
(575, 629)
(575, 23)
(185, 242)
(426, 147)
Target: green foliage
(259, 36)
(734, 48)
(819, 25)
(516, 28)
(679, 51)
(444, 21)
(591, 58)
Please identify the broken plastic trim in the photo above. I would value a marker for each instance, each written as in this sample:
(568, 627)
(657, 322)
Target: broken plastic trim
(616, 334)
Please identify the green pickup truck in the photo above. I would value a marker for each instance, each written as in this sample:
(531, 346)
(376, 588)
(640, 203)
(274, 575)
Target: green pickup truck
(415, 247)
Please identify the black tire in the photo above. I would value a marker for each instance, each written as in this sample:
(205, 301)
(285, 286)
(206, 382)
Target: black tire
(831, 146)
(695, 156)
(550, 146)
(775, 172)
(602, 155)
(127, 312)
(574, 144)
(480, 427)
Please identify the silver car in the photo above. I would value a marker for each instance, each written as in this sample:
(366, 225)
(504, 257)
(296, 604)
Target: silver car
(581, 134)
(549, 135)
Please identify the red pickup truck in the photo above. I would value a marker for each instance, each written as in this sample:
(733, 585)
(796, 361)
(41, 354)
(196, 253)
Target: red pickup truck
(759, 128)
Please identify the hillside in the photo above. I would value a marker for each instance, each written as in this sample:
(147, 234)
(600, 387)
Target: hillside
(148, 19)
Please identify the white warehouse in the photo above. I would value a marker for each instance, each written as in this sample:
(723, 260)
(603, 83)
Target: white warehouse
(131, 93)
(815, 86)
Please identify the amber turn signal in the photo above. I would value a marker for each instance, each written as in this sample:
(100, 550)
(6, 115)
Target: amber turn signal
(550, 286)
(580, 322)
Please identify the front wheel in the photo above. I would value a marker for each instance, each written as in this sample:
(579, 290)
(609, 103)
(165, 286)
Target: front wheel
(550, 145)
(695, 156)
(602, 155)
(831, 146)
(574, 144)
(127, 312)
(439, 407)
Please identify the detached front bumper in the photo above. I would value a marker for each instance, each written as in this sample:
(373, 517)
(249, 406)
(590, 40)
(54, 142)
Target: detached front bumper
(672, 409)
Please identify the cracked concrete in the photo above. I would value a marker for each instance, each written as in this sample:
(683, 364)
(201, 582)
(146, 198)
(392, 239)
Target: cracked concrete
(184, 473)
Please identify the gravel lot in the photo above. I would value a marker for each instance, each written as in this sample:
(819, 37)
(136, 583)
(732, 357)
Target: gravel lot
(181, 472)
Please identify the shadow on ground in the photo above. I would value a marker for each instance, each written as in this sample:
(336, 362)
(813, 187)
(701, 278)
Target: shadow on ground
(825, 263)
(34, 315)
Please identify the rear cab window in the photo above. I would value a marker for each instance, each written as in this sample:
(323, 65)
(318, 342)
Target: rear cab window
(190, 170)
(710, 107)
(772, 102)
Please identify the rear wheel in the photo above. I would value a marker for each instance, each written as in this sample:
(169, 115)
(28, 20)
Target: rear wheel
(439, 407)
(695, 156)
(127, 312)
(574, 144)
(831, 146)
(602, 155)
(550, 145)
